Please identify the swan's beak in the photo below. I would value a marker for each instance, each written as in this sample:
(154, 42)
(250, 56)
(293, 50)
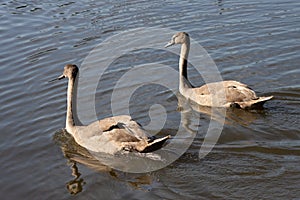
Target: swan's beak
(169, 44)
(58, 78)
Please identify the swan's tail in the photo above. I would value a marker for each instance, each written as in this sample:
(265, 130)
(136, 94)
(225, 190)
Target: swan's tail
(254, 104)
(155, 144)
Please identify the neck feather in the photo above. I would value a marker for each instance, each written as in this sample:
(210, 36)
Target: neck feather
(183, 77)
(69, 119)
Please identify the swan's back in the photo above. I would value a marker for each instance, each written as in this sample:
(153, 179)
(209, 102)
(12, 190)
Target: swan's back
(122, 122)
(114, 134)
(236, 93)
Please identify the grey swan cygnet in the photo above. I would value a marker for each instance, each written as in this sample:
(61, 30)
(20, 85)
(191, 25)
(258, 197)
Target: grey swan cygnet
(236, 94)
(109, 135)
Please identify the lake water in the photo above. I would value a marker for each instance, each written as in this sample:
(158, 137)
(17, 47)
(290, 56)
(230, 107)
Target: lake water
(256, 42)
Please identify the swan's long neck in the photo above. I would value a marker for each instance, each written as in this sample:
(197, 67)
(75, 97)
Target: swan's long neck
(183, 77)
(70, 120)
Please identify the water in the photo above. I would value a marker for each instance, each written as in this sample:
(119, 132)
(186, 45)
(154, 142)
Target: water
(257, 155)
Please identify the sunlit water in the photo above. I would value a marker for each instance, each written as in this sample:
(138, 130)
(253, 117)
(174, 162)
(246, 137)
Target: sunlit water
(258, 153)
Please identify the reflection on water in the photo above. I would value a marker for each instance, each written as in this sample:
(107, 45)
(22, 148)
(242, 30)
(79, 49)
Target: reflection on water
(256, 42)
(75, 185)
(74, 154)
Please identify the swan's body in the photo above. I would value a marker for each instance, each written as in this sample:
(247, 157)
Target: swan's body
(109, 135)
(218, 94)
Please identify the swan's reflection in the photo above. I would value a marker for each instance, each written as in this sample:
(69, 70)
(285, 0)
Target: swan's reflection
(77, 154)
(75, 185)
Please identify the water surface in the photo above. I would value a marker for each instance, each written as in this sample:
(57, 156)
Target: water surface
(257, 155)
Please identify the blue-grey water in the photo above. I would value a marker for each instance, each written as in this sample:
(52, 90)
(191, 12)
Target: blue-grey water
(256, 42)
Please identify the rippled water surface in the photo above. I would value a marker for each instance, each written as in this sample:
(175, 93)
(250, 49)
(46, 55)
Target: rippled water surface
(256, 42)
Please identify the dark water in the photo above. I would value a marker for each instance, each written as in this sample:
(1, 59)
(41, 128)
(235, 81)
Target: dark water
(258, 153)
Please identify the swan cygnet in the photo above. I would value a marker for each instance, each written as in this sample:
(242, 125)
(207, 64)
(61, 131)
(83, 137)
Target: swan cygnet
(217, 94)
(109, 135)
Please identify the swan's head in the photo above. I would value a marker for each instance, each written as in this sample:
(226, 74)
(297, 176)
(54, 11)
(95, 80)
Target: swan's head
(179, 38)
(70, 71)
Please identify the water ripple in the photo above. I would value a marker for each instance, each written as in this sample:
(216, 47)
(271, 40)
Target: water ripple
(250, 41)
